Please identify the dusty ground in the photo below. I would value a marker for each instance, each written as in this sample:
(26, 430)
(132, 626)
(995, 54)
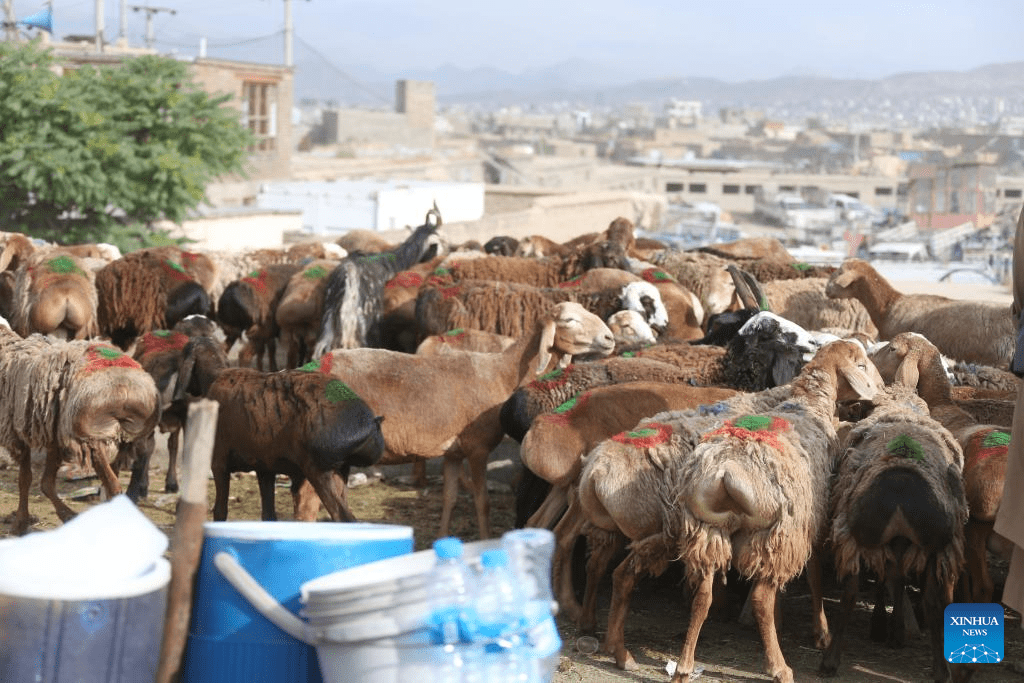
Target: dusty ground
(659, 611)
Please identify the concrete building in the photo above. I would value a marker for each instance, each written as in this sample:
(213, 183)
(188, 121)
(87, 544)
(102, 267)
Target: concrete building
(409, 125)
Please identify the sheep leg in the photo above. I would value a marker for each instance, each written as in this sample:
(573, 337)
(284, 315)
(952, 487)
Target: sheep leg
(879, 617)
(830, 660)
(478, 478)
(818, 618)
(331, 489)
(976, 554)
(936, 596)
(111, 484)
(566, 532)
(221, 486)
(603, 546)
(549, 511)
(266, 481)
(764, 596)
(699, 606)
(898, 621)
(21, 519)
(419, 473)
(171, 480)
(272, 353)
(48, 484)
(623, 580)
(305, 502)
(138, 485)
(450, 489)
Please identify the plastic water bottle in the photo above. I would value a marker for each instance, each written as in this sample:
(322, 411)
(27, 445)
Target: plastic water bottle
(499, 618)
(451, 583)
(530, 552)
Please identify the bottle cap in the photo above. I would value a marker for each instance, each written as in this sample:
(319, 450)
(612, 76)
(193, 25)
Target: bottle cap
(494, 558)
(448, 548)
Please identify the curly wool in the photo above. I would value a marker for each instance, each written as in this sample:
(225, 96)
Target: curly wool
(870, 450)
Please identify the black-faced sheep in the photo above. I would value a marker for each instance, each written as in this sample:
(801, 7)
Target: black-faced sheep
(294, 422)
(140, 292)
(77, 400)
(742, 483)
(353, 299)
(898, 508)
(407, 390)
(913, 361)
(54, 294)
(501, 245)
(249, 306)
(938, 318)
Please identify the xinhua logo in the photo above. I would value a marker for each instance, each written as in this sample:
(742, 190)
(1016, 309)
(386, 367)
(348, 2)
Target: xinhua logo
(974, 633)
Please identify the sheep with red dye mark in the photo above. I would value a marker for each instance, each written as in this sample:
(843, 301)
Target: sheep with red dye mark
(80, 400)
(55, 294)
(248, 306)
(300, 423)
(727, 485)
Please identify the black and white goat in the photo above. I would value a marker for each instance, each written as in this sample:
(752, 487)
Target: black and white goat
(353, 299)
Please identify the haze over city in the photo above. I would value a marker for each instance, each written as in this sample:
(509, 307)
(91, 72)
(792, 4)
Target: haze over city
(614, 42)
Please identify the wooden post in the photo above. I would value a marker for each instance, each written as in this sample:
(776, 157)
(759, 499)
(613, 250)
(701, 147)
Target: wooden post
(200, 431)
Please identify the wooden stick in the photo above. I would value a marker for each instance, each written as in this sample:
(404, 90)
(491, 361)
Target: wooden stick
(200, 431)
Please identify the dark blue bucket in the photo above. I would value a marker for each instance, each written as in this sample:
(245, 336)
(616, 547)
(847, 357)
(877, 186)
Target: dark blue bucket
(228, 639)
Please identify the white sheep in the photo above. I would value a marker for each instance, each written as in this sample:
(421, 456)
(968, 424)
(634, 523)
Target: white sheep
(727, 486)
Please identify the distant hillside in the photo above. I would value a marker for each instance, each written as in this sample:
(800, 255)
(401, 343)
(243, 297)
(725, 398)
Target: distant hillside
(581, 83)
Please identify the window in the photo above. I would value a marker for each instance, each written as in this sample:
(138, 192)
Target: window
(751, 189)
(673, 187)
(259, 113)
(698, 187)
(855, 195)
(883, 191)
(787, 188)
(1011, 194)
(730, 189)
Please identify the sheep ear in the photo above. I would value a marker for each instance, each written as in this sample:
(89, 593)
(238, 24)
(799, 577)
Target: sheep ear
(844, 278)
(908, 373)
(188, 364)
(547, 340)
(859, 382)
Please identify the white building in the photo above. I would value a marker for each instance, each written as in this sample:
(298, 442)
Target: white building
(335, 207)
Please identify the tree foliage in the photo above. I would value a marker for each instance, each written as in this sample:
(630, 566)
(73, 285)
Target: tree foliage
(86, 154)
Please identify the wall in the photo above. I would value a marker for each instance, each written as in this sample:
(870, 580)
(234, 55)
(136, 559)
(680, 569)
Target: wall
(237, 230)
(382, 127)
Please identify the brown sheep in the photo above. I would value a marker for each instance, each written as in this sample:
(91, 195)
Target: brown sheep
(938, 318)
(913, 361)
(461, 339)
(77, 400)
(803, 301)
(299, 310)
(299, 423)
(54, 294)
(407, 389)
(248, 306)
(727, 486)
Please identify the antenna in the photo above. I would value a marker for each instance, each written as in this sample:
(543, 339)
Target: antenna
(150, 11)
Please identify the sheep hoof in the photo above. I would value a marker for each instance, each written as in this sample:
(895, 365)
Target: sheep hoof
(783, 676)
(627, 663)
(171, 487)
(828, 669)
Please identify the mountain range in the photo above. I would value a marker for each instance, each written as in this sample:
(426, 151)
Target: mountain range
(579, 83)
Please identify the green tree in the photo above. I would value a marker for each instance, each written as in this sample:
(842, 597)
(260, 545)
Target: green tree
(99, 152)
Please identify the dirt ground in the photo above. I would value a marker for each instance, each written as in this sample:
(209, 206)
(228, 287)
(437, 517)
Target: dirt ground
(657, 621)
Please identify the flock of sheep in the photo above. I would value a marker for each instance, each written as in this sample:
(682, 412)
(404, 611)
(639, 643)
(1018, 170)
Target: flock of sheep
(726, 408)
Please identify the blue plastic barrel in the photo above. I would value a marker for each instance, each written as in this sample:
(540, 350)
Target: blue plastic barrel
(228, 639)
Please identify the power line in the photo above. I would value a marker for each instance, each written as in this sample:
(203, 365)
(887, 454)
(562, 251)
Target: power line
(341, 72)
(233, 44)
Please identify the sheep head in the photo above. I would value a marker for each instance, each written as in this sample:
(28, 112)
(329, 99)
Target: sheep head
(858, 378)
(629, 327)
(570, 330)
(844, 282)
(644, 298)
(907, 359)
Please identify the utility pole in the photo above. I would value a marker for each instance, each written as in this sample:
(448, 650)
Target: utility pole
(10, 25)
(123, 33)
(150, 11)
(289, 31)
(99, 26)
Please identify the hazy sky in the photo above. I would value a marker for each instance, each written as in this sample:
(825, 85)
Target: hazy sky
(734, 40)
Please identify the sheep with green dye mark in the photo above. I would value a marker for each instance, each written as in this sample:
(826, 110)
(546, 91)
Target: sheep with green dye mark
(55, 294)
(898, 508)
(299, 310)
(302, 423)
(720, 487)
